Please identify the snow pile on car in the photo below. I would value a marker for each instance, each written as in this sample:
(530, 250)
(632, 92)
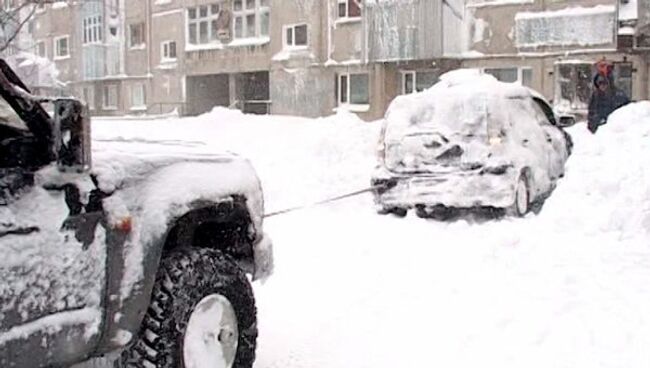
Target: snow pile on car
(431, 107)
(609, 191)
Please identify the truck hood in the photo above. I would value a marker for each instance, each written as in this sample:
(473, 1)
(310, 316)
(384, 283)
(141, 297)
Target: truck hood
(120, 170)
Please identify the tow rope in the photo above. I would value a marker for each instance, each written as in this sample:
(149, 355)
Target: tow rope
(326, 201)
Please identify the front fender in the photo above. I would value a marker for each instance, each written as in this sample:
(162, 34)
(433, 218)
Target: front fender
(152, 211)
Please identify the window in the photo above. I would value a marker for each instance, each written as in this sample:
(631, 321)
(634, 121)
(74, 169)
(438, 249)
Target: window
(168, 50)
(408, 82)
(251, 18)
(203, 24)
(138, 96)
(110, 97)
(353, 89)
(89, 97)
(573, 82)
(92, 29)
(295, 36)
(136, 35)
(623, 77)
(417, 81)
(61, 47)
(523, 76)
(349, 8)
(40, 49)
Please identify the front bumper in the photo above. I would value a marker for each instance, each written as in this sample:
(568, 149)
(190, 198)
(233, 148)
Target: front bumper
(263, 258)
(462, 189)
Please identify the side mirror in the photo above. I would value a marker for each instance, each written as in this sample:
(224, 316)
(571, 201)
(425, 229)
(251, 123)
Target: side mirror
(567, 120)
(72, 135)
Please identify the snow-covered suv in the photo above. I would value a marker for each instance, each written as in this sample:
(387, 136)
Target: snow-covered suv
(470, 141)
(142, 258)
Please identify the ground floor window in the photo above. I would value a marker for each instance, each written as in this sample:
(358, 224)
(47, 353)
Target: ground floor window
(110, 97)
(417, 81)
(623, 77)
(138, 96)
(521, 75)
(353, 89)
(89, 97)
(573, 85)
(574, 82)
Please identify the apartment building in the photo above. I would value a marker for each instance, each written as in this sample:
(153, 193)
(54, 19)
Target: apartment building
(316, 57)
(553, 45)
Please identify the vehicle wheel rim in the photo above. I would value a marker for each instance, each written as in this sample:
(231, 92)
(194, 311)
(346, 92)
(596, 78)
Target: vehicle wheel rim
(522, 197)
(211, 336)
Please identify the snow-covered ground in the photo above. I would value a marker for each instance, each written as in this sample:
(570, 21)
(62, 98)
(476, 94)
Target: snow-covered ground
(569, 287)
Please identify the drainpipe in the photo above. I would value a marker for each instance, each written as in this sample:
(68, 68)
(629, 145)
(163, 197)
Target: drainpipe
(329, 30)
(148, 22)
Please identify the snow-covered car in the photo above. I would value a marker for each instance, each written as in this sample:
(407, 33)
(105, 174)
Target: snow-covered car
(470, 141)
(141, 258)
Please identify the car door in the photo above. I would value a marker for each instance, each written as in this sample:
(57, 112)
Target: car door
(557, 147)
(528, 138)
(53, 272)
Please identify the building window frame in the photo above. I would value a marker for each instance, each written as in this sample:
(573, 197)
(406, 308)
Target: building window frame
(413, 75)
(260, 11)
(137, 36)
(88, 94)
(344, 9)
(205, 15)
(61, 53)
(138, 97)
(37, 48)
(521, 72)
(168, 51)
(109, 96)
(93, 30)
(417, 80)
(289, 37)
(346, 91)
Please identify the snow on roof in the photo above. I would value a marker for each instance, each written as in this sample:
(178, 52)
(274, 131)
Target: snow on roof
(626, 31)
(483, 3)
(567, 12)
(572, 61)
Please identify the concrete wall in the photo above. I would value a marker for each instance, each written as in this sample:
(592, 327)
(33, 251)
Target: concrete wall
(167, 89)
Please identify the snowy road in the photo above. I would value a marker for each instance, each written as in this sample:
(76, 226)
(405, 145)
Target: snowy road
(567, 288)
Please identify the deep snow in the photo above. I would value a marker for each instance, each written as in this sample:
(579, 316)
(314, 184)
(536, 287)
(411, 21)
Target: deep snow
(569, 287)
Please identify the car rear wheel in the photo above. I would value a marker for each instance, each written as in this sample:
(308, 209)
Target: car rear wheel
(396, 211)
(201, 315)
(522, 197)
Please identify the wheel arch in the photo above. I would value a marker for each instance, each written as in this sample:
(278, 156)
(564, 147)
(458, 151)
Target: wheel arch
(226, 225)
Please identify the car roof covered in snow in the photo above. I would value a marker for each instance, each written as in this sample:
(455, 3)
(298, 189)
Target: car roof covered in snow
(459, 98)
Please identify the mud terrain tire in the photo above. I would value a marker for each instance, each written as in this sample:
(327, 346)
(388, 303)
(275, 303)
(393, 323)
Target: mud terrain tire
(185, 277)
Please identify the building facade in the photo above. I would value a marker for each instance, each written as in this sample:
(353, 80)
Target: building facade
(553, 46)
(315, 57)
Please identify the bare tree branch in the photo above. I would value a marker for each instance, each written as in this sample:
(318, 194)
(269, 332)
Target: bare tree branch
(14, 15)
